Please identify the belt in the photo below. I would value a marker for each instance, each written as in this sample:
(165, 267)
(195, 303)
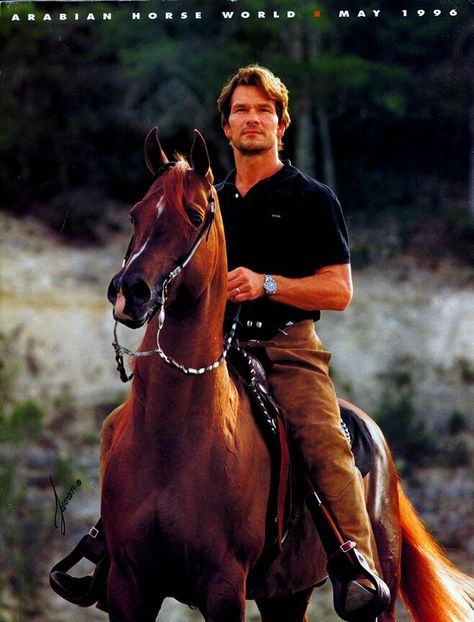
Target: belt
(261, 330)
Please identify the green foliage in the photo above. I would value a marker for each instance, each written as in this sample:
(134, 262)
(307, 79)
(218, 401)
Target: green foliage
(407, 433)
(466, 370)
(458, 449)
(457, 454)
(23, 532)
(23, 424)
(9, 369)
(64, 470)
(457, 423)
(25, 513)
(78, 97)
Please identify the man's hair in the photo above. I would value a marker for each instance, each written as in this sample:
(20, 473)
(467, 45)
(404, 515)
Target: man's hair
(263, 79)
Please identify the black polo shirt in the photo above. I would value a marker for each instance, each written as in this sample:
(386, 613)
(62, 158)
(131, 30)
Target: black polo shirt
(288, 224)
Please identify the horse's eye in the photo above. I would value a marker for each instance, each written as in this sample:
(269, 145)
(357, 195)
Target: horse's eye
(194, 217)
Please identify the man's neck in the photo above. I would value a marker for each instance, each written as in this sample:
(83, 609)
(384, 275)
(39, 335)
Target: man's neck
(252, 168)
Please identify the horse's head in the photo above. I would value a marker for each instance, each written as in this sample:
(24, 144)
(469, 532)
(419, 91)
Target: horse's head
(170, 223)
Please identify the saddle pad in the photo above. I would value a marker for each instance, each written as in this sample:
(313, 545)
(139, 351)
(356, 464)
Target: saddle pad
(361, 440)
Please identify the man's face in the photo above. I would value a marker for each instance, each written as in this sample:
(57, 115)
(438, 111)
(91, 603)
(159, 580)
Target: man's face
(253, 125)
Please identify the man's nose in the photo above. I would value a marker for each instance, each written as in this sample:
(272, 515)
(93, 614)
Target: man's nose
(253, 117)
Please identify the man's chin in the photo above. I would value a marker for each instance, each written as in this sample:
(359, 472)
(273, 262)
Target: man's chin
(252, 149)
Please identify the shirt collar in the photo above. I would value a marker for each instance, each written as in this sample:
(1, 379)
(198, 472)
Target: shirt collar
(287, 171)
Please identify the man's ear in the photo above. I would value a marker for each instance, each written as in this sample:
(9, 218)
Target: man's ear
(227, 130)
(281, 130)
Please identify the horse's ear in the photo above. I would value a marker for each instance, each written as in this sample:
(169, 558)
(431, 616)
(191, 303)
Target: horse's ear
(154, 154)
(200, 157)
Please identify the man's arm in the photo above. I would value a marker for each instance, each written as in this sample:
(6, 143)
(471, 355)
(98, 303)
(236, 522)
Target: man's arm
(328, 289)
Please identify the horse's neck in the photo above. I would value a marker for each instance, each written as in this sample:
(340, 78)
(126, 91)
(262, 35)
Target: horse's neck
(169, 396)
(181, 418)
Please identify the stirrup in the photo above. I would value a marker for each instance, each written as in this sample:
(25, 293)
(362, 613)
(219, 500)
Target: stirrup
(89, 590)
(347, 588)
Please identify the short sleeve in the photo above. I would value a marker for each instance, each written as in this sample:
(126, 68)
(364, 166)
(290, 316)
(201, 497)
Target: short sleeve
(330, 243)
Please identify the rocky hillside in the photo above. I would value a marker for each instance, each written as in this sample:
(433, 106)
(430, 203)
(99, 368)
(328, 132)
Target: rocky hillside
(408, 334)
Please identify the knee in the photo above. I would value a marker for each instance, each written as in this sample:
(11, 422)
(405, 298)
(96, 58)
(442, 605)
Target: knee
(109, 423)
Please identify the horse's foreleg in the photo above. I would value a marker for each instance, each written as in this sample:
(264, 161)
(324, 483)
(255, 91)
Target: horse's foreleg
(225, 600)
(290, 608)
(130, 602)
(108, 430)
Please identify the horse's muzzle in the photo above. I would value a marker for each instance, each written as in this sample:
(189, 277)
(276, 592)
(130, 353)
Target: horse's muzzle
(131, 299)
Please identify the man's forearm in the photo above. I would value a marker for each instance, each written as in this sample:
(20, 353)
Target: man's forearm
(329, 289)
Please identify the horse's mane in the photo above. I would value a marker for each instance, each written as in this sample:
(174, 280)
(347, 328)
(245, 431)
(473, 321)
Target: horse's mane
(174, 184)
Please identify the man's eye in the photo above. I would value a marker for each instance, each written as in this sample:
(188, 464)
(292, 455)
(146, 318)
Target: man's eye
(194, 217)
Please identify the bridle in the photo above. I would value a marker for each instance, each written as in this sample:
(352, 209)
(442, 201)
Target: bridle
(160, 305)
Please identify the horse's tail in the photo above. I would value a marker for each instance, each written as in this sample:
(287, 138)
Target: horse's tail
(432, 588)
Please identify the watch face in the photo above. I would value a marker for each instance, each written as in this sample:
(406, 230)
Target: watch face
(269, 285)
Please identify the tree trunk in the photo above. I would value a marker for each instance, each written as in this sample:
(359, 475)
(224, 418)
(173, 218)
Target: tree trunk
(471, 162)
(329, 169)
(310, 107)
(305, 157)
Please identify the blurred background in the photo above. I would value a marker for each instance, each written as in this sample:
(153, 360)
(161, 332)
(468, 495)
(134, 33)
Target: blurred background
(382, 111)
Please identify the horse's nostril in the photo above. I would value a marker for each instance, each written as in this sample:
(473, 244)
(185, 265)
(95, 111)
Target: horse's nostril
(138, 291)
(113, 289)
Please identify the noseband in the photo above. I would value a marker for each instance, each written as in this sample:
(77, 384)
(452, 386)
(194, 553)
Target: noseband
(160, 306)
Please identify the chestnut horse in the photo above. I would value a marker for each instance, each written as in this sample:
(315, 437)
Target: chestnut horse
(186, 474)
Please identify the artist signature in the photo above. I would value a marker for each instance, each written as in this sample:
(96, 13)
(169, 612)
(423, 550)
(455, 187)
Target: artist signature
(60, 508)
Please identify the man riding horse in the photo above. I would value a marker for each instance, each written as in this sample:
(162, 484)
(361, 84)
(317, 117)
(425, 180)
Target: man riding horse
(288, 259)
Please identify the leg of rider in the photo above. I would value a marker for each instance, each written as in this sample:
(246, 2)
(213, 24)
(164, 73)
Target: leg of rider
(313, 417)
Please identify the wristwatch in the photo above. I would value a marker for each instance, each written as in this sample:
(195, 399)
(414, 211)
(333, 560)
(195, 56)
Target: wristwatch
(269, 285)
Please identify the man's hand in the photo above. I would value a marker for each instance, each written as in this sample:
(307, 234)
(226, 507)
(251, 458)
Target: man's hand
(243, 284)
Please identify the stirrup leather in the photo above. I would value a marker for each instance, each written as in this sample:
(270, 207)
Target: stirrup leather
(345, 566)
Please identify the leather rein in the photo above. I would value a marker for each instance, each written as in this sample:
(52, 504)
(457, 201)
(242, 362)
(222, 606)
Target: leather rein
(160, 306)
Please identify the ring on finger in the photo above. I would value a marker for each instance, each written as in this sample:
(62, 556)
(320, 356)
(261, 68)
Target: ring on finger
(237, 289)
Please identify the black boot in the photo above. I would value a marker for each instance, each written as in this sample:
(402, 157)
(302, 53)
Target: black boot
(359, 594)
(89, 590)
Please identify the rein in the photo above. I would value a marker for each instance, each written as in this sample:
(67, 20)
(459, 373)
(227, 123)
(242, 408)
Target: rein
(158, 351)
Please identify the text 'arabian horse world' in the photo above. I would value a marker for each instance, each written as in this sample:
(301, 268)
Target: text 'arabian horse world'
(185, 471)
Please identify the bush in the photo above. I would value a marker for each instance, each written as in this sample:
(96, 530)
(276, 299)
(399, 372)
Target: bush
(407, 433)
(23, 423)
(457, 423)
